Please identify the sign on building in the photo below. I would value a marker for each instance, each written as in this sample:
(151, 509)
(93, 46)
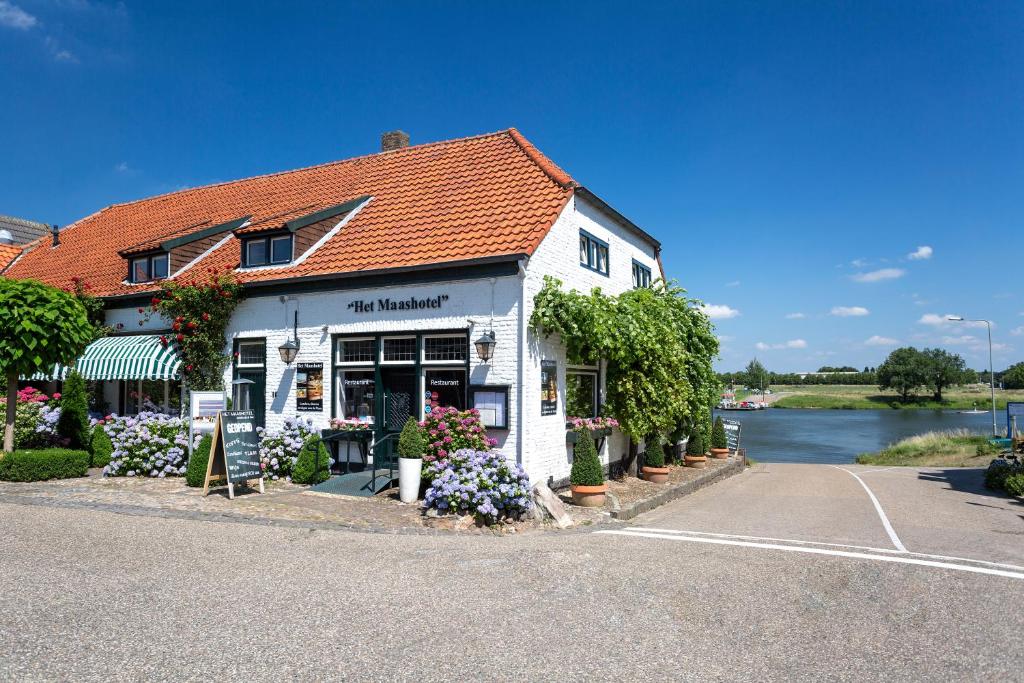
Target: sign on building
(235, 454)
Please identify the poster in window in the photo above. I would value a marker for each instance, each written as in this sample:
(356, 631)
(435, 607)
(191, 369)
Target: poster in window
(309, 387)
(548, 387)
(492, 403)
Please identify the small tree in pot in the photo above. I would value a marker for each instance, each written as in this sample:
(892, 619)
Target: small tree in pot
(411, 446)
(695, 451)
(654, 469)
(586, 479)
(719, 443)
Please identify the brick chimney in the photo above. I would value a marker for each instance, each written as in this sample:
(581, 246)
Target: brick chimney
(55, 233)
(392, 140)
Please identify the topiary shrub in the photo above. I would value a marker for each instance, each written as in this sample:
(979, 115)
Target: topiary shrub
(718, 438)
(195, 471)
(411, 443)
(314, 463)
(73, 423)
(586, 466)
(50, 463)
(101, 447)
(997, 473)
(1014, 484)
(695, 446)
(654, 456)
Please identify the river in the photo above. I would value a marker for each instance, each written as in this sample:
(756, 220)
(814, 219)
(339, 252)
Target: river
(839, 436)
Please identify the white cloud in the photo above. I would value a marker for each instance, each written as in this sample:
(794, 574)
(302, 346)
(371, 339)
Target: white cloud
(795, 316)
(936, 320)
(734, 283)
(13, 16)
(725, 338)
(1017, 331)
(922, 254)
(881, 341)
(122, 167)
(849, 311)
(791, 344)
(879, 275)
(960, 340)
(719, 311)
(858, 262)
(58, 53)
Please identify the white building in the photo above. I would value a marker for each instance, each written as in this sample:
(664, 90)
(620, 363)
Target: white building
(389, 267)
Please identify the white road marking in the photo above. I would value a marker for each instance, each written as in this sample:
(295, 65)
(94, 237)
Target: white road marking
(896, 558)
(828, 545)
(878, 508)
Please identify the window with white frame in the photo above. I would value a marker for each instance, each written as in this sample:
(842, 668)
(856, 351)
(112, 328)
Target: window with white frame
(148, 268)
(357, 351)
(265, 251)
(593, 253)
(581, 396)
(641, 275)
(251, 354)
(445, 348)
(398, 350)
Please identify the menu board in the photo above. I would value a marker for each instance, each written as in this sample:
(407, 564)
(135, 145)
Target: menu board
(548, 387)
(309, 387)
(235, 454)
(492, 402)
(732, 434)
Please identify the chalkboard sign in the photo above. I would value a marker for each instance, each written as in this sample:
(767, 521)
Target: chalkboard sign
(235, 454)
(732, 434)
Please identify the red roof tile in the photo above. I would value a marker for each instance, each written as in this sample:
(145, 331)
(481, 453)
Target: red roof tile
(486, 196)
(8, 252)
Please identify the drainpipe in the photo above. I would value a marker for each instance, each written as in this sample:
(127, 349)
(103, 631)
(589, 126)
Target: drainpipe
(521, 370)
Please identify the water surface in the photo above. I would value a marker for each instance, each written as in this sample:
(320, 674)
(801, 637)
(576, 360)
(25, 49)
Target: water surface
(838, 436)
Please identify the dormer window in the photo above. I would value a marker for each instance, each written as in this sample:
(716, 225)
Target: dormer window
(148, 268)
(266, 251)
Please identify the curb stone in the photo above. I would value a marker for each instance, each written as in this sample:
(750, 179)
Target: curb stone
(734, 467)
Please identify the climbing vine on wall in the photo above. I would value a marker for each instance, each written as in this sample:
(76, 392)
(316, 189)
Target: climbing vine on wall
(659, 347)
(198, 313)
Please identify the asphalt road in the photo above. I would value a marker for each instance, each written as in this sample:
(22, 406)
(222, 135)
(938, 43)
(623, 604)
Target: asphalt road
(93, 595)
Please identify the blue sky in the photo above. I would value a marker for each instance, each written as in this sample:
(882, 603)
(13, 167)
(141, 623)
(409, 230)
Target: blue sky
(790, 156)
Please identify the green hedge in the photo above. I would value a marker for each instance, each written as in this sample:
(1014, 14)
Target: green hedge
(102, 448)
(49, 463)
(195, 472)
(1014, 484)
(73, 423)
(305, 470)
(718, 436)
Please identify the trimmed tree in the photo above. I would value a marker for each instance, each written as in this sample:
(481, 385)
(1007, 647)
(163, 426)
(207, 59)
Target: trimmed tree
(102, 448)
(73, 424)
(718, 438)
(654, 456)
(314, 463)
(695, 445)
(411, 443)
(40, 326)
(586, 466)
(195, 471)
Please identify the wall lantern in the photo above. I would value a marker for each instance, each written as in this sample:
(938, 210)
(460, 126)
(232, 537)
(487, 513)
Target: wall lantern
(240, 394)
(485, 346)
(290, 349)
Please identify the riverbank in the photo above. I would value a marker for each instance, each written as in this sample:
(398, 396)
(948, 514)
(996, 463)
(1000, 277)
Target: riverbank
(953, 448)
(842, 397)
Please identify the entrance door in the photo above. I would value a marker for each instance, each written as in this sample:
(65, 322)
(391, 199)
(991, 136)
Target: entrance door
(257, 393)
(400, 385)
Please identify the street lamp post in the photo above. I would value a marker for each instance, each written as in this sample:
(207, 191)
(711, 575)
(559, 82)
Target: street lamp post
(991, 368)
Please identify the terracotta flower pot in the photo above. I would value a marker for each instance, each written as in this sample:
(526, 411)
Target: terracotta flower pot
(720, 453)
(589, 496)
(656, 475)
(696, 461)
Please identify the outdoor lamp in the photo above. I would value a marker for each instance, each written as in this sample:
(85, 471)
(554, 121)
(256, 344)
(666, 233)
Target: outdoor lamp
(485, 346)
(290, 349)
(240, 399)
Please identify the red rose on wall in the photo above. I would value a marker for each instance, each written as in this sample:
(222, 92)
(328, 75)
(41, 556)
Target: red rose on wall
(180, 337)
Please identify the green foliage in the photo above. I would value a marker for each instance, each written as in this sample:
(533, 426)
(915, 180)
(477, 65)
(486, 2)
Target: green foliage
(308, 470)
(942, 369)
(586, 466)
(1014, 484)
(695, 446)
(904, 371)
(73, 423)
(93, 305)
(654, 455)
(718, 437)
(198, 462)
(658, 345)
(51, 463)
(1013, 377)
(411, 443)
(101, 447)
(39, 326)
(198, 313)
(756, 376)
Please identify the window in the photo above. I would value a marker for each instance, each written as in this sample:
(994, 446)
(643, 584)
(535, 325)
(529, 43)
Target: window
(251, 354)
(262, 251)
(148, 268)
(593, 253)
(399, 350)
(446, 388)
(352, 351)
(356, 395)
(548, 387)
(641, 275)
(580, 394)
(445, 349)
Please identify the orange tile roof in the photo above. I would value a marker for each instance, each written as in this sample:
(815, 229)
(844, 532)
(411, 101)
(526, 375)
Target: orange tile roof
(486, 196)
(8, 252)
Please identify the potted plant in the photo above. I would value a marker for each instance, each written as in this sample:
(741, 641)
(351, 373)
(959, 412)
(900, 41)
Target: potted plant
(586, 479)
(719, 443)
(654, 469)
(410, 461)
(695, 451)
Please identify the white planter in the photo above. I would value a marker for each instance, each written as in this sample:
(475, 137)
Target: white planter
(409, 472)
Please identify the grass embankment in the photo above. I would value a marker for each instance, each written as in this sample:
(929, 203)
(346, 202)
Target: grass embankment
(845, 397)
(954, 448)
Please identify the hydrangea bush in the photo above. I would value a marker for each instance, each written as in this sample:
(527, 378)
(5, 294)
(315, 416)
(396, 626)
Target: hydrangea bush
(481, 483)
(448, 430)
(36, 417)
(280, 450)
(146, 445)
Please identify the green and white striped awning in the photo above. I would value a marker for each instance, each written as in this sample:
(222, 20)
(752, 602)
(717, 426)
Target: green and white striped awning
(126, 357)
